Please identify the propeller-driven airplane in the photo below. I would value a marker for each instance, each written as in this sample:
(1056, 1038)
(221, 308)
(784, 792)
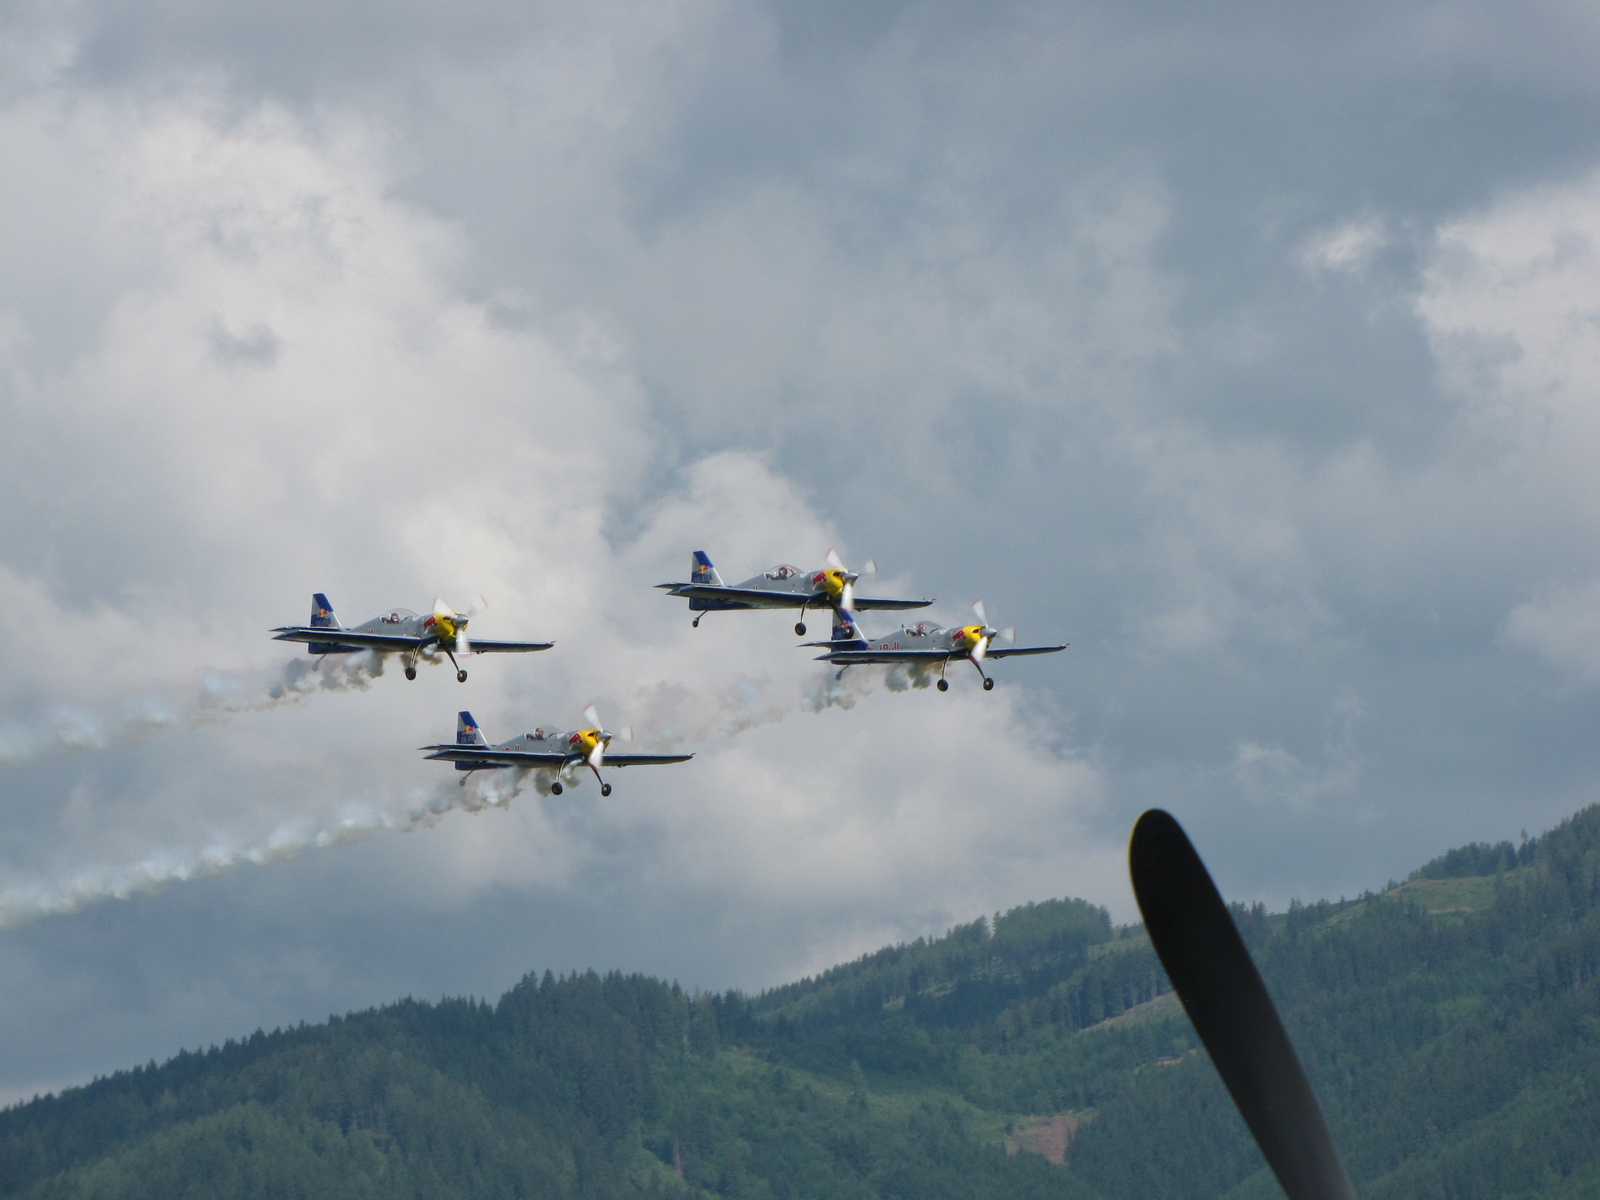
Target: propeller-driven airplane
(561, 752)
(925, 644)
(782, 587)
(399, 631)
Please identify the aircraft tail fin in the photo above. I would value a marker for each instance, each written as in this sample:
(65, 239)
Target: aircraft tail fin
(702, 572)
(322, 613)
(846, 633)
(467, 731)
(322, 617)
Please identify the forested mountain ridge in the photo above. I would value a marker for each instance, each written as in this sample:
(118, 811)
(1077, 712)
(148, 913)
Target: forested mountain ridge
(1450, 1023)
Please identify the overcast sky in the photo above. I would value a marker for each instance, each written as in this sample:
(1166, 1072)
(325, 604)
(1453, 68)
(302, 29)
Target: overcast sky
(1252, 348)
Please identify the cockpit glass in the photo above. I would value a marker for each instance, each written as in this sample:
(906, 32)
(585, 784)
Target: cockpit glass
(783, 571)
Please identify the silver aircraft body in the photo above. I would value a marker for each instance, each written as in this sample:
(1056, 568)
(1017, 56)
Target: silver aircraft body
(832, 587)
(400, 631)
(926, 645)
(562, 753)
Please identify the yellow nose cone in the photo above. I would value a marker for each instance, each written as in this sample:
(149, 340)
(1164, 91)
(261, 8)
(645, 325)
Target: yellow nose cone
(971, 633)
(834, 581)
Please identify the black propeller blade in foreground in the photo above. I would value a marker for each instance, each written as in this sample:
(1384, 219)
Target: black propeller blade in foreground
(1223, 994)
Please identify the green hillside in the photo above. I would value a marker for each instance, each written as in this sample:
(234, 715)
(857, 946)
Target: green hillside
(1451, 1025)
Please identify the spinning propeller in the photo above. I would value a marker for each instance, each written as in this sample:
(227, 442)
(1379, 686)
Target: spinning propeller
(594, 741)
(1225, 999)
(980, 635)
(975, 640)
(840, 581)
(450, 627)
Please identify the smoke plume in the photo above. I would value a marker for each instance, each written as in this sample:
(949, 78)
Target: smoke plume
(218, 696)
(354, 822)
(679, 714)
(664, 715)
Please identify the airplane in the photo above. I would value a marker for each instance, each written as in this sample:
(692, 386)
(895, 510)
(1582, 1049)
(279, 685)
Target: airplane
(782, 587)
(399, 631)
(558, 751)
(926, 644)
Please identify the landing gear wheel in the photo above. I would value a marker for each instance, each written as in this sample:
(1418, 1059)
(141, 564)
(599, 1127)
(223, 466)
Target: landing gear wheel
(695, 622)
(605, 789)
(944, 685)
(799, 629)
(461, 676)
(411, 672)
(555, 789)
(988, 685)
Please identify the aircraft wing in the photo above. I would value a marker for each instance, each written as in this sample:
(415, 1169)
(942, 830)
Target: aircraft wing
(486, 647)
(1012, 651)
(861, 657)
(455, 752)
(761, 598)
(346, 637)
(746, 597)
(866, 602)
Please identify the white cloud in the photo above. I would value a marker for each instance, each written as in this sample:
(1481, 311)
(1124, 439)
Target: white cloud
(1346, 247)
(289, 394)
(534, 301)
(1562, 627)
(1512, 306)
(1512, 310)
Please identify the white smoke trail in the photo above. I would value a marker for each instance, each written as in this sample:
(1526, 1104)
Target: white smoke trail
(21, 903)
(223, 693)
(680, 714)
(219, 696)
(903, 676)
(671, 713)
(666, 714)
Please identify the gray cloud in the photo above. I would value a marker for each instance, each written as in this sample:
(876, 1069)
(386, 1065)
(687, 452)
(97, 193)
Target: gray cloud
(1245, 347)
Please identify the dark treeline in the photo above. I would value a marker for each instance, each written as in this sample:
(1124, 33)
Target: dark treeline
(1458, 1055)
(1479, 858)
(1040, 957)
(1457, 1052)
